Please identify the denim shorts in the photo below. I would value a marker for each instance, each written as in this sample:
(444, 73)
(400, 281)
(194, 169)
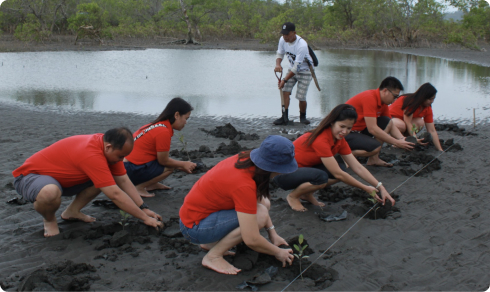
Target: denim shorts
(30, 185)
(316, 175)
(139, 174)
(212, 228)
(364, 140)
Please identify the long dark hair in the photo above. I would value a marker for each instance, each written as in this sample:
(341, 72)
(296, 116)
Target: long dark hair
(177, 104)
(261, 177)
(341, 112)
(414, 100)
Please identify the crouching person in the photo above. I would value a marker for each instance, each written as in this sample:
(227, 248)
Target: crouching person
(149, 162)
(230, 204)
(81, 166)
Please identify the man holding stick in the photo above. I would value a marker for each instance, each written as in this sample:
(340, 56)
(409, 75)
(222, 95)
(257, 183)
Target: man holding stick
(299, 58)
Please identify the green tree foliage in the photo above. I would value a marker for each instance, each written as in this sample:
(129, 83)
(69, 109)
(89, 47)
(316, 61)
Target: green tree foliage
(388, 22)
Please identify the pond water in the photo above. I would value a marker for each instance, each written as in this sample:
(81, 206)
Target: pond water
(229, 83)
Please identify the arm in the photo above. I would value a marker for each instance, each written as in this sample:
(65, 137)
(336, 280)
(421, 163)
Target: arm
(125, 184)
(165, 160)
(334, 168)
(368, 177)
(398, 140)
(435, 138)
(251, 236)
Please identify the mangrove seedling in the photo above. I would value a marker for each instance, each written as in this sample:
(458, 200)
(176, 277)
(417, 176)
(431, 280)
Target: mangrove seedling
(300, 255)
(184, 146)
(124, 218)
(373, 200)
(415, 130)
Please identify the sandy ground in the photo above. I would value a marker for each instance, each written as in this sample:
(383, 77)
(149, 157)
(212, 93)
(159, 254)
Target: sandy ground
(435, 237)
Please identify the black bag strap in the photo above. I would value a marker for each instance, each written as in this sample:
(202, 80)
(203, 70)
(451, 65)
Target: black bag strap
(148, 129)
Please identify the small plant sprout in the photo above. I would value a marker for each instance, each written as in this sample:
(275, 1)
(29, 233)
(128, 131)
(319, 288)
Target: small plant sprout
(373, 200)
(124, 218)
(184, 146)
(415, 129)
(300, 249)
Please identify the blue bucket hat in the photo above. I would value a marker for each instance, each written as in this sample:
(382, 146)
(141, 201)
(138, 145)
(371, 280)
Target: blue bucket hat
(275, 154)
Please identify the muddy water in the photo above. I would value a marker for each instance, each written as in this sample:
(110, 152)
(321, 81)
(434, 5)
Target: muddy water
(228, 83)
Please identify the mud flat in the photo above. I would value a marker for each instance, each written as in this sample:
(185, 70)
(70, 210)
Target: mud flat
(434, 238)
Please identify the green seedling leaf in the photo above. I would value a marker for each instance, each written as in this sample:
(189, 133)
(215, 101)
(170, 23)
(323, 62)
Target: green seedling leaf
(296, 256)
(304, 247)
(305, 257)
(296, 247)
(372, 200)
(373, 194)
(300, 239)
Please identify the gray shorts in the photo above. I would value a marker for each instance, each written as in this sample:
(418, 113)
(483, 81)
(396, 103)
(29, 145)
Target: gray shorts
(30, 185)
(304, 80)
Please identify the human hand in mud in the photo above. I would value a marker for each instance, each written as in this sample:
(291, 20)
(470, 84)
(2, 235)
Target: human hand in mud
(386, 196)
(404, 144)
(285, 256)
(153, 223)
(189, 166)
(421, 142)
(277, 240)
(152, 214)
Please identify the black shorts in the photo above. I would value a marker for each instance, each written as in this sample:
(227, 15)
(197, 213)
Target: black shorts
(364, 140)
(316, 175)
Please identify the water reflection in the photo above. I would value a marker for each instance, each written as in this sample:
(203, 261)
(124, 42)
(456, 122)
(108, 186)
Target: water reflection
(82, 100)
(227, 83)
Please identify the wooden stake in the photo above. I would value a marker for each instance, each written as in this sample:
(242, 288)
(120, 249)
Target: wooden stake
(474, 119)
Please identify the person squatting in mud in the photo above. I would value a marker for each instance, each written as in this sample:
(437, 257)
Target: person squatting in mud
(411, 111)
(314, 153)
(230, 204)
(374, 125)
(81, 166)
(149, 162)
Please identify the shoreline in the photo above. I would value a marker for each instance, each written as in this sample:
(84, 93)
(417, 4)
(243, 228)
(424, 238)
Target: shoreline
(65, 43)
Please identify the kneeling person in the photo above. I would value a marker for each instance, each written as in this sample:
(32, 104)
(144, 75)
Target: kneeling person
(81, 166)
(318, 168)
(374, 125)
(230, 204)
(149, 162)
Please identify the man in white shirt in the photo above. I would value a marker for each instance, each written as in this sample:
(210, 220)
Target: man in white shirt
(297, 53)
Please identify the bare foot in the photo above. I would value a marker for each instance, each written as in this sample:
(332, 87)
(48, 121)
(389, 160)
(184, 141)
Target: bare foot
(378, 162)
(310, 198)
(209, 246)
(219, 264)
(295, 204)
(68, 216)
(51, 228)
(157, 186)
(144, 193)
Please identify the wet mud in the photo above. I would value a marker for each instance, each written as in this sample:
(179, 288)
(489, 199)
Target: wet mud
(229, 132)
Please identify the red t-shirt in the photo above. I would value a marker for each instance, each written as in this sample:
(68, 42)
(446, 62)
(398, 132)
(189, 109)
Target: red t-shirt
(421, 112)
(224, 187)
(73, 161)
(147, 145)
(368, 104)
(325, 145)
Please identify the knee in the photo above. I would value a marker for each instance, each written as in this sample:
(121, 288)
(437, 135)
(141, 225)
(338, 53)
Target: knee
(265, 202)
(49, 194)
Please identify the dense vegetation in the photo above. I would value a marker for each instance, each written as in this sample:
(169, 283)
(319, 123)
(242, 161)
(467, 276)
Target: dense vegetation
(388, 22)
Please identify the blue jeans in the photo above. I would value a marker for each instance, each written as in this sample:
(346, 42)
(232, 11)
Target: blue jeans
(212, 228)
